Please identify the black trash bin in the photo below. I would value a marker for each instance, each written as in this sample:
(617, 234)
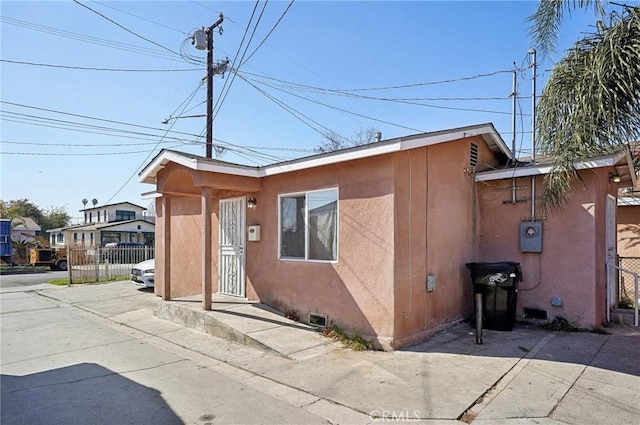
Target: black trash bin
(498, 284)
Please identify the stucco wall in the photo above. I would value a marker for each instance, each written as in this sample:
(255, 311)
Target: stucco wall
(435, 222)
(629, 231)
(402, 216)
(186, 234)
(356, 293)
(571, 264)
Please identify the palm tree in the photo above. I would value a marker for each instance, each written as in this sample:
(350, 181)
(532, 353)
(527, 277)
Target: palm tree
(590, 105)
(84, 202)
(94, 201)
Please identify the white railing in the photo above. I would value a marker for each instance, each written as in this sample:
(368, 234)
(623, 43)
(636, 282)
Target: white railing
(96, 264)
(635, 293)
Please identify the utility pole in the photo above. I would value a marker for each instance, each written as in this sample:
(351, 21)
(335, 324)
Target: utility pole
(218, 68)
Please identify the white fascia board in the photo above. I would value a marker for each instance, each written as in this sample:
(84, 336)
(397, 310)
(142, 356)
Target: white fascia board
(482, 131)
(632, 171)
(148, 175)
(151, 195)
(331, 159)
(236, 170)
(535, 170)
(399, 144)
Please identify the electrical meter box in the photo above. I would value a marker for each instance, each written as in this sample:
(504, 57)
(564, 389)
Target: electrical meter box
(254, 233)
(531, 236)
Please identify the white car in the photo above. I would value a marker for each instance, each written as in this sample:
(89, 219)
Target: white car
(143, 273)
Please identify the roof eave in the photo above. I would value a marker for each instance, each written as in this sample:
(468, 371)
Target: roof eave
(534, 170)
(486, 131)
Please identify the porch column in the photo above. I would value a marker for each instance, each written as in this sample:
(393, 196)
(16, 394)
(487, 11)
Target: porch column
(206, 247)
(166, 247)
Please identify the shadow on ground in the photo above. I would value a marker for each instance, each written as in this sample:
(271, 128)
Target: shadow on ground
(81, 394)
(618, 350)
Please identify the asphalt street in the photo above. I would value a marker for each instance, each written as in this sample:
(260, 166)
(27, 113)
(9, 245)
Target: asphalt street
(24, 280)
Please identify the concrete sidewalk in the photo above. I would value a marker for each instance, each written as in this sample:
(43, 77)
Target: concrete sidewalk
(521, 377)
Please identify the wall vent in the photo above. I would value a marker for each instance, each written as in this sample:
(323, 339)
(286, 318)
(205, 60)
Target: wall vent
(318, 320)
(473, 155)
(536, 313)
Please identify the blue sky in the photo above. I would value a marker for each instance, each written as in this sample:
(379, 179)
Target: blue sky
(51, 156)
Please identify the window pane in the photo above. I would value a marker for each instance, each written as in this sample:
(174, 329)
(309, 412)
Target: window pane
(292, 226)
(323, 214)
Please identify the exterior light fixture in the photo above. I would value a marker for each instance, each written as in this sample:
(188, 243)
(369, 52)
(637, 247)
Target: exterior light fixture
(251, 203)
(614, 178)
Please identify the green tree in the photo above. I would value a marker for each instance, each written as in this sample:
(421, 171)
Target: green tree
(22, 208)
(590, 105)
(51, 218)
(55, 217)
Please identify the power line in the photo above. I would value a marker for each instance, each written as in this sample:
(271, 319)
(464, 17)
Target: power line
(86, 68)
(88, 39)
(427, 83)
(139, 17)
(395, 101)
(94, 118)
(223, 93)
(453, 80)
(125, 28)
(320, 90)
(109, 145)
(295, 114)
(76, 154)
(269, 33)
(346, 111)
(84, 128)
(78, 145)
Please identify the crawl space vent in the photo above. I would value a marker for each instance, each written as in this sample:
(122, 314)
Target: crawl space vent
(318, 320)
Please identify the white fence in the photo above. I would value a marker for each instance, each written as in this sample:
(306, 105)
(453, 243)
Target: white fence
(636, 294)
(92, 264)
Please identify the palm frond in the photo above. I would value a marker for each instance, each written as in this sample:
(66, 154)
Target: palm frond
(590, 105)
(546, 21)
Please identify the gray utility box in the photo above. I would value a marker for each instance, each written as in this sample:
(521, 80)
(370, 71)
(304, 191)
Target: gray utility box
(531, 236)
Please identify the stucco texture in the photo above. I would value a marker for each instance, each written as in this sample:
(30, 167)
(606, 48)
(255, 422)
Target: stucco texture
(402, 216)
(571, 264)
(629, 231)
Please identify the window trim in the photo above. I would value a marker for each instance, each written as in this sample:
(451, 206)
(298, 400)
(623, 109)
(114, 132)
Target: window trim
(306, 258)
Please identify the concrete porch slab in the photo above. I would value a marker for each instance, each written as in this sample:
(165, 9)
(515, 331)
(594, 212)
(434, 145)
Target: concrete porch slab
(246, 322)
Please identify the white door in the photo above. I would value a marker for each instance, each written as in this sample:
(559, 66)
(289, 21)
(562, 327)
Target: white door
(611, 236)
(232, 245)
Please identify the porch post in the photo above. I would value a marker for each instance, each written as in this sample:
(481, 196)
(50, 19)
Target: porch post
(166, 247)
(206, 247)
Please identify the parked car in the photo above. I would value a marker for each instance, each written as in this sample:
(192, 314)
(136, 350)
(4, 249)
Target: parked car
(143, 273)
(123, 252)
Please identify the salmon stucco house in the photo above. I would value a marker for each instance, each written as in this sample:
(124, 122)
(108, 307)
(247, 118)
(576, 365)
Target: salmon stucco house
(374, 238)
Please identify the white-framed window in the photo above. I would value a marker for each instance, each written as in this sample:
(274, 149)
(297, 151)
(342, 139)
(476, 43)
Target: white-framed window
(308, 225)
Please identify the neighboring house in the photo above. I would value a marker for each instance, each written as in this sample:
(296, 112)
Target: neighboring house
(354, 235)
(121, 222)
(24, 229)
